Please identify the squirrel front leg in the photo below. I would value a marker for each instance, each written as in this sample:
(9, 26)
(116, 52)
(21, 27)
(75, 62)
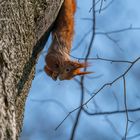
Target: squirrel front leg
(52, 64)
(51, 73)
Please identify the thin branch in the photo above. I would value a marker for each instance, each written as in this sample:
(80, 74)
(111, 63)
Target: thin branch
(82, 39)
(82, 78)
(133, 124)
(108, 84)
(104, 8)
(119, 30)
(136, 135)
(78, 81)
(104, 59)
(107, 33)
(116, 99)
(113, 40)
(100, 89)
(66, 117)
(101, 6)
(94, 5)
(110, 112)
(129, 28)
(97, 107)
(126, 110)
(79, 111)
(93, 32)
(107, 119)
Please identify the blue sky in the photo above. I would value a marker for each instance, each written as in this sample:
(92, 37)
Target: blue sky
(50, 101)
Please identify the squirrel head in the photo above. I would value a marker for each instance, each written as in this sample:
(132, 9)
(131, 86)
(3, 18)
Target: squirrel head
(71, 69)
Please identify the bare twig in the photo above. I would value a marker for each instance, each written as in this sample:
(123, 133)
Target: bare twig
(100, 89)
(113, 40)
(126, 110)
(136, 135)
(101, 6)
(94, 5)
(79, 111)
(108, 84)
(110, 112)
(119, 30)
(104, 59)
(135, 122)
(82, 39)
(104, 8)
(82, 78)
(66, 117)
(106, 33)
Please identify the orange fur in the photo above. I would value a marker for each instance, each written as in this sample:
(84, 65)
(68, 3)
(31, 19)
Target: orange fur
(71, 69)
(64, 25)
(58, 59)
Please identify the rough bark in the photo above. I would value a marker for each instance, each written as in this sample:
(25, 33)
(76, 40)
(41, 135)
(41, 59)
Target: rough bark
(24, 28)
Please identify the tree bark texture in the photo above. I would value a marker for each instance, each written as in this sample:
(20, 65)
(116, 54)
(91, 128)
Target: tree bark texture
(24, 28)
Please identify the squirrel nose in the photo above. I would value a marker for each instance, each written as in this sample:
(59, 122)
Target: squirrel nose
(61, 78)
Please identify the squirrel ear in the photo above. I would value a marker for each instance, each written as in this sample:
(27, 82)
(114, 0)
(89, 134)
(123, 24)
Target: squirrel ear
(82, 73)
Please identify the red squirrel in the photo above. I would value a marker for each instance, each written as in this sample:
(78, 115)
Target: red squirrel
(58, 63)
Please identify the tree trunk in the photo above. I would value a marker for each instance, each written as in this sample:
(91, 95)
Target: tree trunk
(24, 28)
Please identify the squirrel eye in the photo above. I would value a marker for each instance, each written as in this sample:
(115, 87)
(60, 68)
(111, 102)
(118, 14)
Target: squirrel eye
(67, 70)
(56, 66)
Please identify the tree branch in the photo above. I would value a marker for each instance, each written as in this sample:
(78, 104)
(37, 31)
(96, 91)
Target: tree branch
(110, 112)
(100, 89)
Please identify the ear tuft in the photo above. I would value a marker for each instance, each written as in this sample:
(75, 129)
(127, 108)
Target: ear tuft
(78, 72)
(83, 73)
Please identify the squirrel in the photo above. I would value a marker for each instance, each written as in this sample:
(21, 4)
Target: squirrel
(58, 63)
